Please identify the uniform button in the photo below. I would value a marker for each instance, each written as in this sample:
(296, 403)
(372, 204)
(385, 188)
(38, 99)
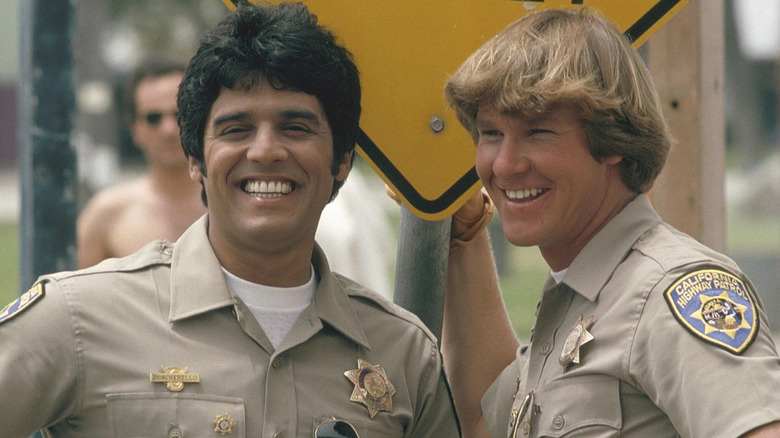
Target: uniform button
(277, 362)
(278, 435)
(558, 422)
(174, 433)
(545, 348)
(526, 428)
(167, 250)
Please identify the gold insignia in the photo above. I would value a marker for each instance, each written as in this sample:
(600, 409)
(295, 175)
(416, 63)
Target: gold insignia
(224, 424)
(518, 414)
(578, 336)
(174, 378)
(372, 387)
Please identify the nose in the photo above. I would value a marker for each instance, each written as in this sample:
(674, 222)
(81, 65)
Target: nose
(511, 157)
(265, 147)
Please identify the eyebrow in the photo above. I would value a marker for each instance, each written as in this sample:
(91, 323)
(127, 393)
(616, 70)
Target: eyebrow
(240, 115)
(285, 114)
(300, 114)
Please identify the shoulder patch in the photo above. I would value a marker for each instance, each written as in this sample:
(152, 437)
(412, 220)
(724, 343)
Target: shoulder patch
(26, 300)
(716, 307)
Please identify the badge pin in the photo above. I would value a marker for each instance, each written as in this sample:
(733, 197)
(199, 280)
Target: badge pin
(519, 413)
(174, 378)
(223, 424)
(372, 387)
(578, 336)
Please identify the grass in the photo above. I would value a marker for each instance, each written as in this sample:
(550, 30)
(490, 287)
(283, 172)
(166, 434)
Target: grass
(521, 285)
(757, 235)
(9, 262)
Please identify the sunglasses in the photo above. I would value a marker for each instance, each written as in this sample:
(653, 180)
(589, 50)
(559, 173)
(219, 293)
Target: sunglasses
(335, 429)
(154, 118)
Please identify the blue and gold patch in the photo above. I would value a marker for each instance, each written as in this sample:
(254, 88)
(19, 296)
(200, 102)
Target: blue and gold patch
(26, 300)
(716, 307)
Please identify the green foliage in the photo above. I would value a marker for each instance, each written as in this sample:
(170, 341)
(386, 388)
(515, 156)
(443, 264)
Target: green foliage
(9, 262)
(521, 286)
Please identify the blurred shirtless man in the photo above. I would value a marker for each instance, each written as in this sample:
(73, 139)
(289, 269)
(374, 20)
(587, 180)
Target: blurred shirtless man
(160, 204)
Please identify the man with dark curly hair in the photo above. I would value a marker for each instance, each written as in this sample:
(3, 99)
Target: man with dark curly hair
(240, 328)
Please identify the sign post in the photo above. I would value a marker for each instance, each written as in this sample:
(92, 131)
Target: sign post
(49, 180)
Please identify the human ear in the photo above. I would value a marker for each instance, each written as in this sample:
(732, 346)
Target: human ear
(195, 170)
(344, 167)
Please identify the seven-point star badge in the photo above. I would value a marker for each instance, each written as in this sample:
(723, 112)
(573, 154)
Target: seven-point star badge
(578, 336)
(372, 387)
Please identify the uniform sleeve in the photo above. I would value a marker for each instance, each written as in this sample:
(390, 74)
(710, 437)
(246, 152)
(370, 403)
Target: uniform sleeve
(702, 366)
(38, 370)
(435, 413)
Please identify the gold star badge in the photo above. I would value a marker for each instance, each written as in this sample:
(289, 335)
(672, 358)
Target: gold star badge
(720, 313)
(224, 424)
(578, 336)
(372, 387)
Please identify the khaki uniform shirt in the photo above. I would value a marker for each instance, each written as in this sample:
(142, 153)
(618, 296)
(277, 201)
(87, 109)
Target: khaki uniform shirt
(78, 361)
(710, 371)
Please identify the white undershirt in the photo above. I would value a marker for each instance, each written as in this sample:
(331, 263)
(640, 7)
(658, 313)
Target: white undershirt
(558, 276)
(275, 308)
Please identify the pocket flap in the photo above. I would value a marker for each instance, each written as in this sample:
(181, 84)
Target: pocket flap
(589, 402)
(157, 415)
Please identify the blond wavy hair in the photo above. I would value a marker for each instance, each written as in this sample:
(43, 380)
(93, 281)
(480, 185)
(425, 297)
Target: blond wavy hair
(573, 58)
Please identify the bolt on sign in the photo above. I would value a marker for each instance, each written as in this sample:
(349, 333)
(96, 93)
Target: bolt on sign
(406, 50)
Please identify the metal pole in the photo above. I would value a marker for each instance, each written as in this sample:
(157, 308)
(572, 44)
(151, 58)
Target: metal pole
(48, 175)
(421, 268)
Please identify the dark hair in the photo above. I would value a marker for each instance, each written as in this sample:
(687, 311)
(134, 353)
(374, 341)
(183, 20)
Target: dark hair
(285, 45)
(153, 67)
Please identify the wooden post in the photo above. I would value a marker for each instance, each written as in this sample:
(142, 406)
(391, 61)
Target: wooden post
(685, 58)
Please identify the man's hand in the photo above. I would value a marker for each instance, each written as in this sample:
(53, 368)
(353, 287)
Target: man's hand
(468, 221)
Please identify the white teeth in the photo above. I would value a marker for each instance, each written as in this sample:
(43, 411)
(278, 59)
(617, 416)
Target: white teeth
(522, 194)
(268, 189)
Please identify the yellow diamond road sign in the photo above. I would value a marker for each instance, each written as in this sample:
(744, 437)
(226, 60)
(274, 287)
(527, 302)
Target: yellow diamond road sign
(406, 49)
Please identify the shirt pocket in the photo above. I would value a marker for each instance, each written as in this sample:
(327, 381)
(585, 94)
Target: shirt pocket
(156, 415)
(364, 428)
(588, 404)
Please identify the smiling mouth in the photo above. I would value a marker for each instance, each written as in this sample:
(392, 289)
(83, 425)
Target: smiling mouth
(267, 189)
(525, 195)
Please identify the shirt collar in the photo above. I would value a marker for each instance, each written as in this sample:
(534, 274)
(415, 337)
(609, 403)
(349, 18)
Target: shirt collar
(200, 287)
(197, 282)
(332, 301)
(594, 265)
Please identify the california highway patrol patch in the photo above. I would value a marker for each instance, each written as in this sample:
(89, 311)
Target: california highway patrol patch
(716, 307)
(26, 300)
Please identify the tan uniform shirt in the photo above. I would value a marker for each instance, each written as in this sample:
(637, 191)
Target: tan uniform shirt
(711, 371)
(78, 361)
